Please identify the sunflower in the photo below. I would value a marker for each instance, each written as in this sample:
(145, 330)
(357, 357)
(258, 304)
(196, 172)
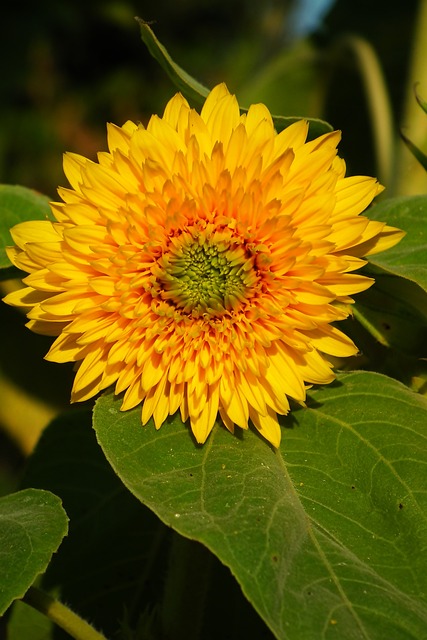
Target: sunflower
(199, 264)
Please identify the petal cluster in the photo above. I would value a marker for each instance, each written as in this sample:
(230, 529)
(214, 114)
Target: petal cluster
(199, 264)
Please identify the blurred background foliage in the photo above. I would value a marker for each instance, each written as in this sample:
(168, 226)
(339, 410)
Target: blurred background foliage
(69, 66)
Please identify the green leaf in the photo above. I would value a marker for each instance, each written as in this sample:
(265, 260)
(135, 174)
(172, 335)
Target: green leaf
(409, 257)
(18, 204)
(194, 90)
(327, 535)
(417, 153)
(32, 526)
(197, 93)
(317, 126)
(420, 100)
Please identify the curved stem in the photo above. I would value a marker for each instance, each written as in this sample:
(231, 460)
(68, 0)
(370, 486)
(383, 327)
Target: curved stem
(61, 615)
(378, 101)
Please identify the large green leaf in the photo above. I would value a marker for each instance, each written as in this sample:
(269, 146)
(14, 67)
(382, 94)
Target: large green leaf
(32, 526)
(327, 536)
(18, 204)
(409, 257)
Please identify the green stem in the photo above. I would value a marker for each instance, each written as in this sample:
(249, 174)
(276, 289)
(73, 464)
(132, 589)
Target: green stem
(378, 100)
(61, 615)
(411, 177)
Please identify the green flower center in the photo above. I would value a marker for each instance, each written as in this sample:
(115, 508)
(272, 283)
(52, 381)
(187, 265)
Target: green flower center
(206, 275)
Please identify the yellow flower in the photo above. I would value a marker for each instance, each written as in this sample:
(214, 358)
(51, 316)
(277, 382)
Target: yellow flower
(199, 264)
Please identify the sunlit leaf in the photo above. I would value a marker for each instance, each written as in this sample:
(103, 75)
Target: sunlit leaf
(409, 257)
(326, 536)
(18, 204)
(32, 526)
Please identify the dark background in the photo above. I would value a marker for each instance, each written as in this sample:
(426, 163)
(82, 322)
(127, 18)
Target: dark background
(67, 67)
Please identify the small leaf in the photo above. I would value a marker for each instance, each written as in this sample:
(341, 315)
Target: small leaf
(190, 87)
(417, 153)
(409, 257)
(327, 535)
(32, 526)
(18, 204)
(420, 100)
(197, 93)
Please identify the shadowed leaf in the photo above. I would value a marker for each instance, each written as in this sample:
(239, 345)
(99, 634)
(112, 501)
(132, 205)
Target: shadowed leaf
(32, 526)
(409, 257)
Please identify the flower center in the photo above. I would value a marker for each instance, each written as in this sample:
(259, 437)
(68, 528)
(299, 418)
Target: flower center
(206, 274)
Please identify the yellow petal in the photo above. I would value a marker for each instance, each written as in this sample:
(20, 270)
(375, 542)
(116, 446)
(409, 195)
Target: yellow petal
(118, 137)
(35, 231)
(332, 341)
(218, 92)
(268, 426)
(26, 297)
(388, 238)
(74, 164)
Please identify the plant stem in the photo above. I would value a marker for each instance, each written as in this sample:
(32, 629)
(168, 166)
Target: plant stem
(61, 615)
(411, 177)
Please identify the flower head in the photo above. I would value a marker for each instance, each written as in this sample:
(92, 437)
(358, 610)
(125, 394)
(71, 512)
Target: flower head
(199, 264)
